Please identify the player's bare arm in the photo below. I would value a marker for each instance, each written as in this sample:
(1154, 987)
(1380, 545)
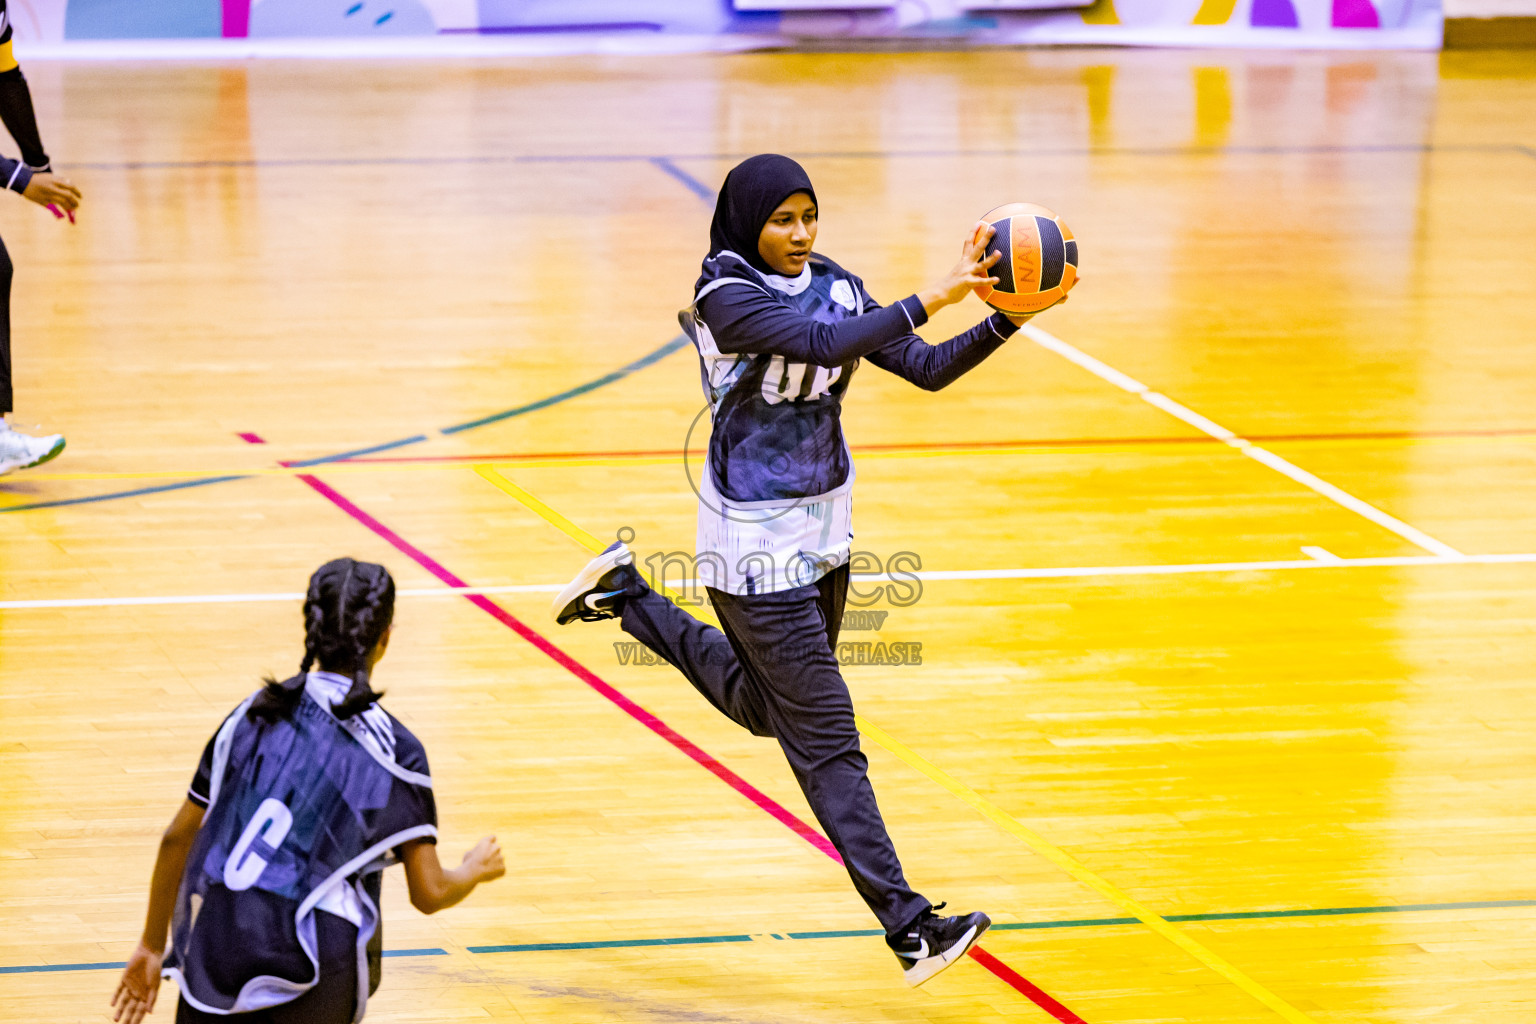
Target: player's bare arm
(140, 984)
(433, 887)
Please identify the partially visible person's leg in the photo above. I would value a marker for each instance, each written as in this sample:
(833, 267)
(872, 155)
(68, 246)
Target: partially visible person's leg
(7, 271)
(772, 672)
(702, 653)
(610, 586)
(775, 674)
(832, 598)
(784, 642)
(17, 451)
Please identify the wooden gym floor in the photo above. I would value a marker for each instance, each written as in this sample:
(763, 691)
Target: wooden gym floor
(1224, 704)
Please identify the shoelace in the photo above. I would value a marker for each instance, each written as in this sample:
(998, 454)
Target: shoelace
(916, 932)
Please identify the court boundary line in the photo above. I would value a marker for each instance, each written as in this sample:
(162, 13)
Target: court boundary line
(651, 721)
(1004, 926)
(1007, 822)
(926, 575)
(1261, 455)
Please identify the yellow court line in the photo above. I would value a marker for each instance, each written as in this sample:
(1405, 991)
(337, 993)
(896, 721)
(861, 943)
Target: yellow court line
(544, 512)
(576, 533)
(1007, 822)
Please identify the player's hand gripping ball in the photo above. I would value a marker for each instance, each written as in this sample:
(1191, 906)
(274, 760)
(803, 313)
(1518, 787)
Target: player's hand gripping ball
(1039, 264)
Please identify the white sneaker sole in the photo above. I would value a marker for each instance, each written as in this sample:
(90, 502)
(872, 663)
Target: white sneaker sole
(928, 966)
(588, 577)
(49, 455)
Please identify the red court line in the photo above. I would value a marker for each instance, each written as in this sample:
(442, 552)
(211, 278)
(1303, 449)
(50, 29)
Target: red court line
(1033, 442)
(1041, 997)
(782, 814)
(579, 670)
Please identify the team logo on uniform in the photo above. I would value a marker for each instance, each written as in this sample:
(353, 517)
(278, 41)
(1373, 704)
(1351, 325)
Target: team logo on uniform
(842, 294)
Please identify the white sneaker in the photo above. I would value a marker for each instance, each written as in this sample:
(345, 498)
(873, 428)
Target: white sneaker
(22, 451)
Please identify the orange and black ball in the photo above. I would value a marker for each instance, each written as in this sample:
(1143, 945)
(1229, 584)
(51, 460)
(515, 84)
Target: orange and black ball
(1039, 264)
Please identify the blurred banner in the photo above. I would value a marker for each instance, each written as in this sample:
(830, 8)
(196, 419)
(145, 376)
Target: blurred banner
(639, 25)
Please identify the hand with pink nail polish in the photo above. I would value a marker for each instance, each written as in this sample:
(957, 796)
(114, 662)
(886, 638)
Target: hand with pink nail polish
(57, 195)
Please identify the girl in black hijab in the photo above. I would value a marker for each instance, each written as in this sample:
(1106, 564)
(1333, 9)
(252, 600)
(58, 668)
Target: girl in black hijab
(780, 331)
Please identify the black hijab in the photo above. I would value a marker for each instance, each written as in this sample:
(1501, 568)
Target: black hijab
(752, 191)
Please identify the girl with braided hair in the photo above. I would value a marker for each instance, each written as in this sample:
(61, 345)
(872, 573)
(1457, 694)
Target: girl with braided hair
(268, 878)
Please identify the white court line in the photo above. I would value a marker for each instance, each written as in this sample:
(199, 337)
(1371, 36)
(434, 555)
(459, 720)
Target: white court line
(1261, 455)
(1072, 572)
(1321, 554)
(121, 602)
(932, 576)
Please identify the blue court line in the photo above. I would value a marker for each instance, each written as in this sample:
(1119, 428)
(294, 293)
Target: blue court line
(540, 947)
(666, 161)
(158, 488)
(47, 968)
(119, 965)
(693, 184)
(357, 161)
(608, 378)
(356, 452)
(681, 341)
(699, 940)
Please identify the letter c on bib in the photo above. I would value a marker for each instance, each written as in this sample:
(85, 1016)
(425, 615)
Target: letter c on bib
(244, 865)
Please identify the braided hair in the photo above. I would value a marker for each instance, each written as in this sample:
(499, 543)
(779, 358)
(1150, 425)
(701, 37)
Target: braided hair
(346, 611)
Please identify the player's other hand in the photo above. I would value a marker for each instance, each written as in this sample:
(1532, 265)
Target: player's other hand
(973, 271)
(46, 190)
(139, 987)
(484, 861)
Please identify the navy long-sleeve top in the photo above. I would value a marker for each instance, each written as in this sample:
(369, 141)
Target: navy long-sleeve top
(776, 356)
(15, 174)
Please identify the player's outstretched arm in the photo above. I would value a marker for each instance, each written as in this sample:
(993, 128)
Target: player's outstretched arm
(435, 888)
(140, 983)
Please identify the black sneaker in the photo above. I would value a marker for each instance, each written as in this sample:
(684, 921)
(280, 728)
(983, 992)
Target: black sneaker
(599, 590)
(932, 943)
